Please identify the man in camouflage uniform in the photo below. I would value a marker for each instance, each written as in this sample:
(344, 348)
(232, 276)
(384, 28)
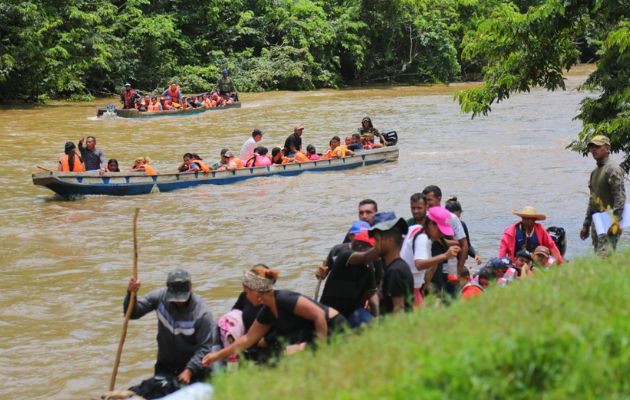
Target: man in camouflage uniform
(225, 84)
(607, 192)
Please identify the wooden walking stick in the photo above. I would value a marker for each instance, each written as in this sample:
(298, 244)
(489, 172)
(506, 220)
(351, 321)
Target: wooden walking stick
(132, 303)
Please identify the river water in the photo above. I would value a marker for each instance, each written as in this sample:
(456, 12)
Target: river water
(65, 264)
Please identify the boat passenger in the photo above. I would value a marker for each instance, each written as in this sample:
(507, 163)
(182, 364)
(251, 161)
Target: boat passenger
(337, 150)
(207, 102)
(199, 161)
(154, 105)
(112, 166)
(188, 164)
(70, 161)
(93, 158)
(297, 319)
(355, 142)
(278, 157)
(311, 153)
(186, 331)
(230, 162)
(351, 278)
(168, 105)
(397, 287)
(455, 207)
(250, 144)
(542, 257)
(144, 103)
(128, 97)
(300, 157)
(173, 93)
(225, 85)
(259, 158)
(527, 235)
(478, 284)
(293, 143)
(368, 128)
(143, 164)
(523, 262)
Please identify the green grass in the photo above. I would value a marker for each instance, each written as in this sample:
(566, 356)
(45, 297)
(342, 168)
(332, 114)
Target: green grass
(563, 335)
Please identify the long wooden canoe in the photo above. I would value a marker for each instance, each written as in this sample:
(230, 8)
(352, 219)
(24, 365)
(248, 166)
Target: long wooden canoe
(133, 183)
(133, 113)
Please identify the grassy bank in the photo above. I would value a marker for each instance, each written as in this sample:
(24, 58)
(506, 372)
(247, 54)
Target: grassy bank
(564, 334)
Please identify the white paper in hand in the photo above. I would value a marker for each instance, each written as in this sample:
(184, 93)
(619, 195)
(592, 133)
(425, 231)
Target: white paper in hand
(602, 221)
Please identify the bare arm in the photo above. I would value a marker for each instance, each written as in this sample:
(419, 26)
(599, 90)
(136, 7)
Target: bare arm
(399, 304)
(463, 255)
(374, 303)
(364, 257)
(309, 310)
(256, 332)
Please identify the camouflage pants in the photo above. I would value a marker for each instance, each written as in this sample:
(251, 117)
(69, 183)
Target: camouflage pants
(604, 245)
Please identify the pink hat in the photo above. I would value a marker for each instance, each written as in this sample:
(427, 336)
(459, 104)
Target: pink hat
(442, 218)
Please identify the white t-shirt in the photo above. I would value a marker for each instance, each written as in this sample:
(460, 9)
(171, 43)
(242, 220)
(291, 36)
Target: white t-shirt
(248, 148)
(422, 252)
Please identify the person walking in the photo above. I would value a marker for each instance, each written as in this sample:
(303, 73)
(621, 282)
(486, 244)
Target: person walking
(607, 191)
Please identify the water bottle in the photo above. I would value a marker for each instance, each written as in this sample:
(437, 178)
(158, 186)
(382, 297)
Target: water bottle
(451, 269)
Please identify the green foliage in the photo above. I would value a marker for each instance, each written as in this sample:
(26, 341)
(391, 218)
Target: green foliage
(84, 48)
(532, 46)
(563, 334)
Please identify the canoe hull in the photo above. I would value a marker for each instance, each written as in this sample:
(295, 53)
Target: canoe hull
(112, 184)
(133, 113)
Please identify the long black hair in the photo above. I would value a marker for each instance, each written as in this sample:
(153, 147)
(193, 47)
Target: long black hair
(69, 151)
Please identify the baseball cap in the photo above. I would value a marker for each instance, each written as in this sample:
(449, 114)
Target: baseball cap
(542, 250)
(364, 237)
(228, 154)
(400, 224)
(298, 127)
(127, 84)
(178, 285)
(442, 218)
(359, 226)
(599, 140)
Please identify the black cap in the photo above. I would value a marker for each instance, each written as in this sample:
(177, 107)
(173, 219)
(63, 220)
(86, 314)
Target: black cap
(179, 286)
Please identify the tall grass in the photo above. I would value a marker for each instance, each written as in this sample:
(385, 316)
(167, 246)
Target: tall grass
(565, 334)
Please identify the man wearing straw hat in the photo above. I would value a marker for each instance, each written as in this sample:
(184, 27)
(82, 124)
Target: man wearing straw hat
(527, 235)
(607, 192)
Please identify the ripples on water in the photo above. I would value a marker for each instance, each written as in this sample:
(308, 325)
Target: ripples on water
(65, 264)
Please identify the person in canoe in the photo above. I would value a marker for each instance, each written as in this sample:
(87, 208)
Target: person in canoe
(337, 150)
(154, 105)
(369, 133)
(143, 164)
(230, 162)
(70, 161)
(297, 319)
(173, 93)
(186, 331)
(225, 86)
(251, 143)
(128, 97)
(293, 143)
(93, 158)
(112, 166)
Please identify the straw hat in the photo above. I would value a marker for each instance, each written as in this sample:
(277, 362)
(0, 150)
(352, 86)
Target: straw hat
(529, 212)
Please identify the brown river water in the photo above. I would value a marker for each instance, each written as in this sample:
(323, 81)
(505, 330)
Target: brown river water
(65, 264)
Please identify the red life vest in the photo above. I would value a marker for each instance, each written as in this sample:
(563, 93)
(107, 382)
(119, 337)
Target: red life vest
(128, 96)
(173, 94)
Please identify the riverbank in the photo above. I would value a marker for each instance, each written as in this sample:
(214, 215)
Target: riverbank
(562, 334)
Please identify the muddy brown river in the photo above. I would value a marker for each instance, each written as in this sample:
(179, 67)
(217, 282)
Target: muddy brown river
(65, 264)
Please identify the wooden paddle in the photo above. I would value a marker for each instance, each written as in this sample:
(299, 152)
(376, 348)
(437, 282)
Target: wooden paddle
(132, 303)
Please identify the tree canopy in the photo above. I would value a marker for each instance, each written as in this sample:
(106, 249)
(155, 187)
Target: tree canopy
(85, 48)
(531, 47)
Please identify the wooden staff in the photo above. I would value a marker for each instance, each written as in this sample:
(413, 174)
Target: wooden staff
(132, 303)
(45, 169)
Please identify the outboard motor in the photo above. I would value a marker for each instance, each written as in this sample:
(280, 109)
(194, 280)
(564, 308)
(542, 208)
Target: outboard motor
(559, 237)
(111, 111)
(391, 137)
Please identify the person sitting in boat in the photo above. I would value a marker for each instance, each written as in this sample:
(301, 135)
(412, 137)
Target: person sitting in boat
(143, 164)
(527, 234)
(200, 102)
(188, 164)
(355, 142)
(368, 128)
(154, 105)
(144, 103)
(225, 85)
(70, 161)
(278, 157)
(112, 166)
(199, 161)
(297, 319)
(128, 97)
(311, 153)
(186, 331)
(173, 93)
(207, 102)
(251, 143)
(259, 158)
(230, 162)
(300, 157)
(337, 150)
(293, 143)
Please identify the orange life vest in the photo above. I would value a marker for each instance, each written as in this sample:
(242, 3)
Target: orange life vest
(149, 170)
(202, 165)
(128, 97)
(174, 94)
(65, 165)
(235, 162)
(154, 107)
(301, 157)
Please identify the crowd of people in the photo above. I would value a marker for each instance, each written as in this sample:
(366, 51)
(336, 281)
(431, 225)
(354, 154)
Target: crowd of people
(224, 93)
(89, 158)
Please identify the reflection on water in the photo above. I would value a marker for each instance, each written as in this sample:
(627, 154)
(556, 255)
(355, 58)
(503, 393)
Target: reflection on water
(65, 264)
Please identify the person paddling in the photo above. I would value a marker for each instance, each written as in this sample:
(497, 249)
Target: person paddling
(186, 331)
(297, 319)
